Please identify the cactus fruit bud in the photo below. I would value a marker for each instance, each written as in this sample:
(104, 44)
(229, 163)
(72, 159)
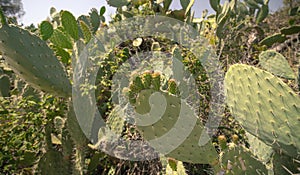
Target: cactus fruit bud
(172, 87)
(138, 83)
(147, 79)
(156, 81)
(222, 141)
(235, 138)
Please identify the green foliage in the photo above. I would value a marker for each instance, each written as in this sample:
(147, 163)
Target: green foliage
(22, 123)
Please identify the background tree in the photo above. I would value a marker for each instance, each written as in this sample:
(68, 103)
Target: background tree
(12, 8)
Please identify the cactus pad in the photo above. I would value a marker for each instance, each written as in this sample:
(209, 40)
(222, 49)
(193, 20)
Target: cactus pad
(265, 106)
(276, 63)
(33, 60)
(163, 117)
(240, 161)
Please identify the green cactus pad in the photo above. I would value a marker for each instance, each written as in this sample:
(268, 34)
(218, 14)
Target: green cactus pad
(290, 30)
(115, 120)
(70, 24)
(46, 30)
(33, 60)
(148, 105)
(240, 161)
(117, 3)
(95, 20)
(259, 149)
(61, 39)
(86, 32)
(276, 63)
(4, 86)
(283, 164)
(270, 40)
(265, 106)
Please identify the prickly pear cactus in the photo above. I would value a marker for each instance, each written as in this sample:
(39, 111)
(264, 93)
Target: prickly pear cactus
(259, 149)
(265, 106)
(276, 63)
(159, 113)
(238, 160)
(284, 164)
(33, 60)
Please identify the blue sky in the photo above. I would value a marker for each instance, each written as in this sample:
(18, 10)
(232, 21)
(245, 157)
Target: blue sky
(38, 10)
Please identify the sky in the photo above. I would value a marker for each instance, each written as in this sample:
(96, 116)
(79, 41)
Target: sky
(38, 10)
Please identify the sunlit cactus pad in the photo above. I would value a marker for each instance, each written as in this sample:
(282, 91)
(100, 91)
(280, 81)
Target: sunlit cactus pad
(166, 121)
(276, 63)
(33, 60)
(265, 106)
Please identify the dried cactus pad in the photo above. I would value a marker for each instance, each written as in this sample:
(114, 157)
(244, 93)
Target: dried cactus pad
(265, 106)
(276, 63)
(33, 60)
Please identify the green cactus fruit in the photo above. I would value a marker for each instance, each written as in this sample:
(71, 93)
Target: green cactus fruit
(147, 79)
(239, 160)
(138, 84)
(33, 60)
(132, 97)
(276, 63)
(4, 86)
(222, 141)
(46, 30)
(149, 108)
(270, 40)
(156, 78)
(265, 106)
(70, 24)
(172, 87)
(235, 138)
